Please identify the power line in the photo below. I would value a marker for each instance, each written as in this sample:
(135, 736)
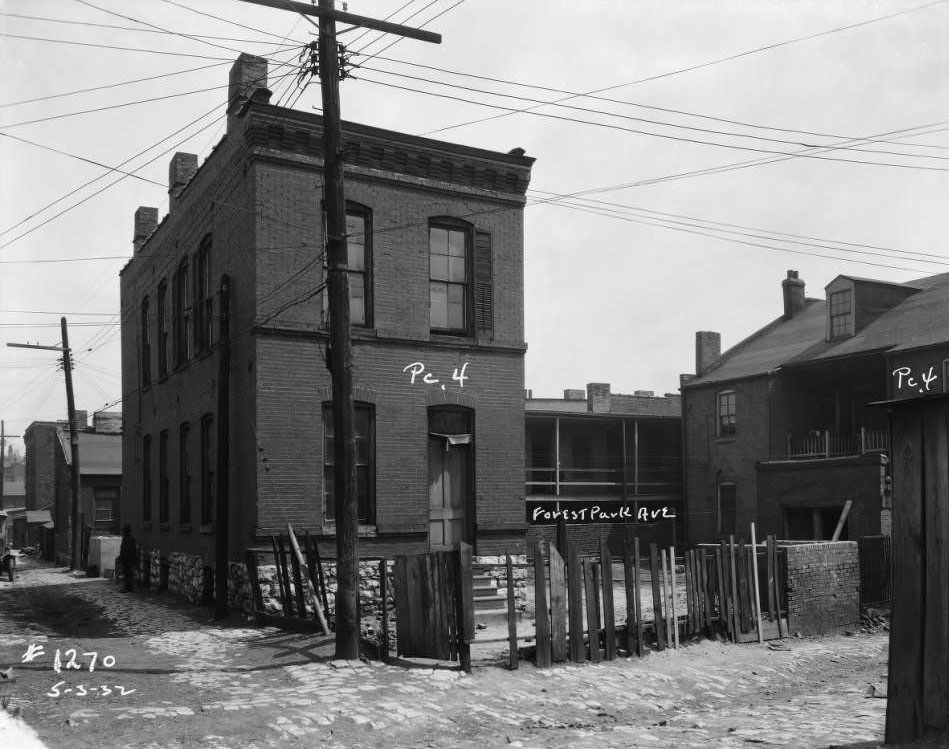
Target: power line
(667, 110)
(709, 63)
(661, 123)
(112, 85)
(218, 18)
(110, 46)
(635, 131)
(136, 30)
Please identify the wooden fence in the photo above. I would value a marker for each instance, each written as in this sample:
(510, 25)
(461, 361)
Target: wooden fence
(733, 589)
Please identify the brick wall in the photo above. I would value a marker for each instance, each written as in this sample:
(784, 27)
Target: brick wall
(823, 587)
(258, 197)
(711, 460)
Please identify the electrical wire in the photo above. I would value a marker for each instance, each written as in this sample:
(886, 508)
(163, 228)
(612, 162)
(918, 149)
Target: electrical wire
(653, 122)
(666, 110)
(573, 120)
(710, 63)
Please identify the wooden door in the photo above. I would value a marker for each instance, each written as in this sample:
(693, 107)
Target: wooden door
(449, 482)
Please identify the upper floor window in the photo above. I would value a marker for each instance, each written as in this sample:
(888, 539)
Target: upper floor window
(449, 250)
(146, 353)
(203, 297)
(726, 413)
(162, 328)
(841, 313)
(359, 266)
(365, 462)
(182, 321)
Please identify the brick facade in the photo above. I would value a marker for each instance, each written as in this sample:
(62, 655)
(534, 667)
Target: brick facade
(255, 203)
(823, 587)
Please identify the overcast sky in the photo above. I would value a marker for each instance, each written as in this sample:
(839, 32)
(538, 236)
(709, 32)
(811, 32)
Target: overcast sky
(636, 234)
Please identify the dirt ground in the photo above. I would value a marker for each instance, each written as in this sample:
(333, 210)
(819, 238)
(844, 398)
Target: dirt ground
(166, 675)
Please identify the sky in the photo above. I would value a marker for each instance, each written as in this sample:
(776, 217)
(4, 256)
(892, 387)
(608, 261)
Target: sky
(689, 154)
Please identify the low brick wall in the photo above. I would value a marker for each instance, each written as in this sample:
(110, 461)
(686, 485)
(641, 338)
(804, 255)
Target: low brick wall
(823, 587)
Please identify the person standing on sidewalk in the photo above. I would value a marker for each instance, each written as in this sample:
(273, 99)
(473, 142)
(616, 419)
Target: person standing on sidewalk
(128, 556)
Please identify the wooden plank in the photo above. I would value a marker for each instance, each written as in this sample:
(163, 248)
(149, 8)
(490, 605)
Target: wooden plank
(609, 617)
(278, 573)
(384, 595)
(541, 621)
(690, 607)
(575, 604)
(754, 582)
(733, 590)
(935, 676)
(465, 588)
(558, 606)
(592, 604)
(720, 588)
(769, 545)
(629, 586)
(511, 617)
(706, 588)
(905, 717)
(779, 592)
(313, 547)
(843, 519)
(299, 600)
(657, 621)
(673, 597)
(300, 562)
(637, 600)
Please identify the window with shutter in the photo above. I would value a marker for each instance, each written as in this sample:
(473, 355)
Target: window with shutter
(483, 284)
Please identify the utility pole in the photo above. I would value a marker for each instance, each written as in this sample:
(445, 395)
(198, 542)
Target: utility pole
(341, 357)
(75, 533)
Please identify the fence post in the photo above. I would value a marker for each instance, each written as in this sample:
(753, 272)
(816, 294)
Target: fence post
(511, 621)
(542, 623)
(609, 620)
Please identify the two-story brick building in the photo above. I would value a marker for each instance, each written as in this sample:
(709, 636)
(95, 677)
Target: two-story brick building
(48, 482)
(778, 428)
(435, 237)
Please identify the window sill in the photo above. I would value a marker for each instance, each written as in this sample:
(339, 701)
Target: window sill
(724, 440)
(365, 531)
(207, 529)
(164, 527)
(185, 527)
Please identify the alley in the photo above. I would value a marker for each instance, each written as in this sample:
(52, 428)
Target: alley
(165, 675)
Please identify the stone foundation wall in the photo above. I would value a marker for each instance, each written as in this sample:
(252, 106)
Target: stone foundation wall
(496, 568)
(823, 587)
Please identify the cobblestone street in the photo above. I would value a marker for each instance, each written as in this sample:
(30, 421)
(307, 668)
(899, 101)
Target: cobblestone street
(180, 680)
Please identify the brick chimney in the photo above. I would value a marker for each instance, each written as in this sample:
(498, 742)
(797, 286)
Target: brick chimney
(146, 221)
(598, 397)
(708, 350)
(793, 288)
(248, 80)
(182, 168)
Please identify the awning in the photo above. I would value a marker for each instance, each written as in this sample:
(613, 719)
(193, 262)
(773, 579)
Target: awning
(453, 439)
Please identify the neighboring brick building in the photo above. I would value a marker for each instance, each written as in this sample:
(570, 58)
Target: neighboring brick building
(49, 480)
(777, 429)
(605, 454)
(436, 272)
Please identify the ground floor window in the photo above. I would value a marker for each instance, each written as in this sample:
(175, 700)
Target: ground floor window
(364, 427)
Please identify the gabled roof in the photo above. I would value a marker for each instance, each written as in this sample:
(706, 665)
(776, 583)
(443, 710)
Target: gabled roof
(920, 320)
(99, 454)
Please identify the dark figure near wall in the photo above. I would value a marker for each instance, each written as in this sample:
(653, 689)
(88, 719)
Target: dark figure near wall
(128, 556)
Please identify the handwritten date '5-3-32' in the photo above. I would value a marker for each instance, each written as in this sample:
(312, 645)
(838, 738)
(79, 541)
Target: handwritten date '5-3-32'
(81, 690)
(418, 372)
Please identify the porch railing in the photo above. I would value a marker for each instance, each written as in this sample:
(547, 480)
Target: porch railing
(654, 476)
(826, 443)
